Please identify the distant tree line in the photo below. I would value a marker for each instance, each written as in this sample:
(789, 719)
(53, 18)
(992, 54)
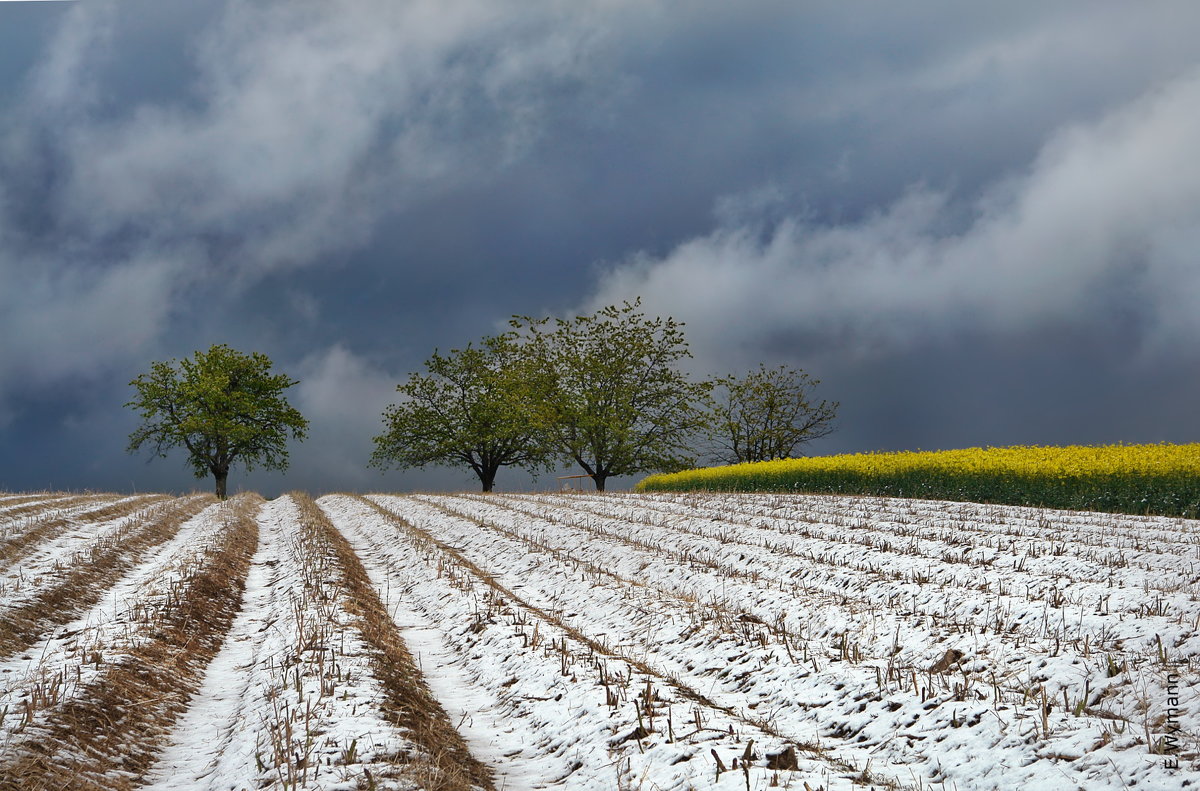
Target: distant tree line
(602, 391)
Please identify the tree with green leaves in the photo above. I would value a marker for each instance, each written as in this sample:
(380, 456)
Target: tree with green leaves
(472, 407)
(222, 406)
(609, 391)
(766, 415)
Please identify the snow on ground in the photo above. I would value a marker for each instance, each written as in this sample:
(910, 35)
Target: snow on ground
(474, 707)
(72, 656)
(546, 706)
(18, 502)
(19, 520)
(619, 641)
(868, 625)
(290, 697)
(17, 505)
(51, 560)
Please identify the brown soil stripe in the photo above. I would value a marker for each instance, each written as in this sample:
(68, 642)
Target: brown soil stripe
(93, 572)
(603, 649)
(14, 506)
(32, 510)
(409, 700)
(594, 645)
(107, 739)
(17, 547)
(567, 556)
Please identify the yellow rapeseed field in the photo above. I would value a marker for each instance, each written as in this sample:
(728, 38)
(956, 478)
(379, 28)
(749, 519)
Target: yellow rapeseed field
(1159, 478)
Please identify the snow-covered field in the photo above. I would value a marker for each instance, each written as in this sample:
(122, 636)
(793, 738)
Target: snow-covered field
(584, 641)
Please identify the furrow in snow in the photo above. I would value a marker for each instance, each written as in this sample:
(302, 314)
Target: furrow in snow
(548, 705)
(14, 505)
(67, 525)
(292, 700)
(54, 670)
(1057, 556)
(21, 513)
(52, 594)
(976, 598)
(848, 697)
(105, 736)
(980, 521)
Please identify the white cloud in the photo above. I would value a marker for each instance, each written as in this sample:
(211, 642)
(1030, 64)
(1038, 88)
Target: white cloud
(343, 396)
(315, 120)
(1105, 218)
(293, 129)
(77, 321)
(308, 122)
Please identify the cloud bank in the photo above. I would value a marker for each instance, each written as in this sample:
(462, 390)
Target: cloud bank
(304, 124)
(957, 216)
(1099, 230)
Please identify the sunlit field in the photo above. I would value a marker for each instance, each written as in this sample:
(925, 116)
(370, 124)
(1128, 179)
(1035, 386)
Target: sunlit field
(1135, 479)
(669, 641)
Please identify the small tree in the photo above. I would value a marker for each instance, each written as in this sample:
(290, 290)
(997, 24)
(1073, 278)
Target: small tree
(611, 397)
(472, 408)
(766, 415)
(222, 406)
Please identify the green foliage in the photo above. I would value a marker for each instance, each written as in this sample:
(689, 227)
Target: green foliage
(766, 415)
(610, 396)
(1137, 479)
(222, 406)
(472, 408)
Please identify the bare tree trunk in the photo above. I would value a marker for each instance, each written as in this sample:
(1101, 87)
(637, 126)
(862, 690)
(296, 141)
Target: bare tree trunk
(221, 476)
(599, 479)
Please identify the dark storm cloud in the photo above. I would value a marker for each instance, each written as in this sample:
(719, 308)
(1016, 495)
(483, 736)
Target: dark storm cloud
(298, 126)
(1062, 310)
(864, 188)
(1100, 225)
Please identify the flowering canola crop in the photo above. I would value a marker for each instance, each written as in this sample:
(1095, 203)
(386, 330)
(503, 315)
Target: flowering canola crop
(1159, 479)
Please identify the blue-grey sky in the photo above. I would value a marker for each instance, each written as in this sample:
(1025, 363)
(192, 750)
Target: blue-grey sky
(975, 223)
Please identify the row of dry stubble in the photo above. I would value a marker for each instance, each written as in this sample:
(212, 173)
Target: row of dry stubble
(108, 735)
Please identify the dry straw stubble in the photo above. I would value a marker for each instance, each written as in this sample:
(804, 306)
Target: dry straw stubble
(107, 737)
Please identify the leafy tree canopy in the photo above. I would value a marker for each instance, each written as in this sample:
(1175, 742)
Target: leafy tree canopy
(609, 393)
(223, 406)
(473, 407)
(766, 415)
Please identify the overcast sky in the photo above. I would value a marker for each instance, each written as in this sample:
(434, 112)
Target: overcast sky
(977, 224)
